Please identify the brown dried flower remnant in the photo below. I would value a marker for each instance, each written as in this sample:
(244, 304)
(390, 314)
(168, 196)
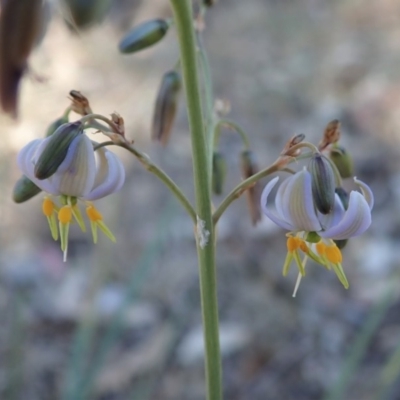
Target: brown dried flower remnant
(331, 135)
(20, 27)
(80, 104)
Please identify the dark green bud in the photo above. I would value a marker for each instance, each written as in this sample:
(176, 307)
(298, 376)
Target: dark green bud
(55, 125)
(218, 173)
(343, 196)
(323, 183)
(143, 36)
(84, 13)
(343, 161)
(166, 107)
(249, 168)
(56, 150)
(24, 190)
(209, 3)
(341, 244)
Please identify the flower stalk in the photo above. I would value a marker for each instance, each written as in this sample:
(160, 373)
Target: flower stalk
(182, 10)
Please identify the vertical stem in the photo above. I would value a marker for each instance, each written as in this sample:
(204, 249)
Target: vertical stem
(205, 229)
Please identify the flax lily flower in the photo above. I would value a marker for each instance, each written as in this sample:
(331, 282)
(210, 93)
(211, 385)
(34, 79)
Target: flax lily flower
(83, 175)
(312, 232)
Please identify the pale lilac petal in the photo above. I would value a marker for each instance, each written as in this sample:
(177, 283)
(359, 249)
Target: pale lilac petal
(110, 175)
(298, 206)
(366, 191)
(280, 198)
(334, 217)
(25, 162)
(76, 174)
(355, 221)
(264, 199)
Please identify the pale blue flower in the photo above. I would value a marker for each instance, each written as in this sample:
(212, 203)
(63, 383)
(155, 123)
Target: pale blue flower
(309, 230)
(84, 175)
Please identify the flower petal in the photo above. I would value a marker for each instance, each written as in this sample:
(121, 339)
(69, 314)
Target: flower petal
(298, 205)
(366, 191)
(355, 221)
(26, 162)
(264, 199)
(75, 175)
(110, 175)
(334, 217)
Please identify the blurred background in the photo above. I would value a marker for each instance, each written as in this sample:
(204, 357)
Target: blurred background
(122, 321)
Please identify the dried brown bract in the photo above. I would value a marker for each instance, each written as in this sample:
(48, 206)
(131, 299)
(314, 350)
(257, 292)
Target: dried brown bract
(80, 104)
(331, 135)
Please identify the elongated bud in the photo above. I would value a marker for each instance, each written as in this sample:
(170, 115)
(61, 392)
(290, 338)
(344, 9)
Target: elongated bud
(143, 36)
(166, 107)
(323, 183)
(56, 150)
(24, 190)
(55, 125)
(343, 161)
(218, 173)
(249, 168)
(83, 14)
(20, 27)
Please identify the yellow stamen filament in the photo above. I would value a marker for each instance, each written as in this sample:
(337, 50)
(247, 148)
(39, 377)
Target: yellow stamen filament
(333, 254)
(47, 207)
(65, 215)
(93, 214)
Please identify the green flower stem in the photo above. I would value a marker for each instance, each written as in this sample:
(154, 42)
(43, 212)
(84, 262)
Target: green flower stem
(241, 188)
(168, 182)
(91, 118)
(234, 127)
(183, 16)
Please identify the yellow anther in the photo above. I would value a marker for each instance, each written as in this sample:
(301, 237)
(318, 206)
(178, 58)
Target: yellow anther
(333, 254)
(303, 246)
(293, 244)
(65, 215)
(93, 214)
(47, 207)
(321, 248)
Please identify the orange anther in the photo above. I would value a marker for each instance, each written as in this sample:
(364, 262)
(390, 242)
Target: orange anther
(321, 248)
(65, 215)
(293, 244)
(47, 207)
(333, 254)
(303, 246)
(93, 214)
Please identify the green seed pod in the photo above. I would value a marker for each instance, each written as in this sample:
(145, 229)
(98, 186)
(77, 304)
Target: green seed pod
(343, 161)
(24, 190)
(218, 173)
(55, 125)
(249, 168)
(166, 107)
(313, 237)
(143, 36)
(85, 13)
(323, 183)
(56, 150)
(20, 26)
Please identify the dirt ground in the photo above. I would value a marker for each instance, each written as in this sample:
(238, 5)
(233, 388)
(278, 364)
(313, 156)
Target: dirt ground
(122, 321)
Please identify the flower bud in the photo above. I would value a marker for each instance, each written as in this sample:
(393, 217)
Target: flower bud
(323, 183)
(24, 190)
(20, 26)
(143, 36)
(83, 14)
(56, 149)
(166, 106)
(343, 161)
(218, 173)
(55, 125)
(249, 168)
